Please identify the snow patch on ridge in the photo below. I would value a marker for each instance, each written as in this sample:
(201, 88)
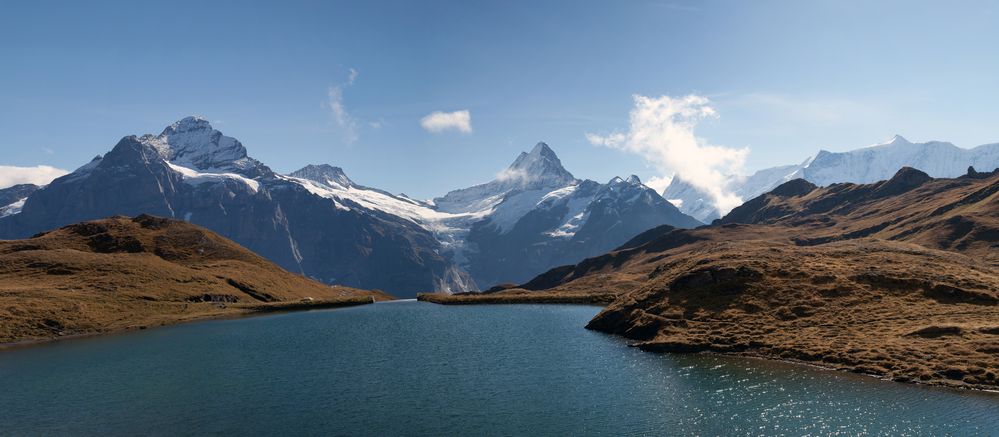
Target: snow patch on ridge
(195, 177)
(13, 208)
(574, 219)
(415, 212)
(514, 206)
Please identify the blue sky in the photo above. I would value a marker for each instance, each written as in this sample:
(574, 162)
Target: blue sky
(783, 79)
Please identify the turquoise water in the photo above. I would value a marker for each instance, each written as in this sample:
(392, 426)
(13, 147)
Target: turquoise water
(412, 368)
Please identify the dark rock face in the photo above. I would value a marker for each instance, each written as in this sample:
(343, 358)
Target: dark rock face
(907, 178)
(14, 193)
(794, 187)
(358, 248)
(324, 174)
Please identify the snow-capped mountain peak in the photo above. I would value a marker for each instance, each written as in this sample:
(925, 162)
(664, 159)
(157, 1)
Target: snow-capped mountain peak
(319, 222)
(324, 174)
(191, 123)
(898, 139)
(862, 166)
(540, 151)
(541, 165)
(539, 171)
(192, 142)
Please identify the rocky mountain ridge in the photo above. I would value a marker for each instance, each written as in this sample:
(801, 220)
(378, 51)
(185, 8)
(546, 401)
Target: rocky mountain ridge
(318, 222)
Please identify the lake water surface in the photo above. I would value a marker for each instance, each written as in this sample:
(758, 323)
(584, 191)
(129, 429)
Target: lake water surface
(408, 368)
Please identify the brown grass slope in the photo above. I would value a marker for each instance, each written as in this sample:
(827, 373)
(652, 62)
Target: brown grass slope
(122, 273)
(960, 214)
(897, 278)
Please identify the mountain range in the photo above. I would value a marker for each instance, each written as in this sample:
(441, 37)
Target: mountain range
(898, 278)
(861, 166)
(318, 222)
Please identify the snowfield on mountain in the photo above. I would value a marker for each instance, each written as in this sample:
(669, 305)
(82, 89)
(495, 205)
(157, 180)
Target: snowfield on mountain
(318, 222)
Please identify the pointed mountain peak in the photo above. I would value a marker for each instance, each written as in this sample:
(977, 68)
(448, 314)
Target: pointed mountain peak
(677, 187)
(634, 180)
(540, 153)
(615, 180)
(897, 139)
(193, 142)
(324, 174)
(542, 149)
(191, 123)
(541, 165)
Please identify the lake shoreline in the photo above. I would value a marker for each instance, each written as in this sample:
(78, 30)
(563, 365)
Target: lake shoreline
(225, 312)
(221, 376)
(599, 299)
(652, 346)
(237, 311)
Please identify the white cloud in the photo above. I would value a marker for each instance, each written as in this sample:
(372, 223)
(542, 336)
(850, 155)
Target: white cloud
(511, 174)
(39, 175)
(661, 131)
(343, 118)
(658, 183)
(438, 121)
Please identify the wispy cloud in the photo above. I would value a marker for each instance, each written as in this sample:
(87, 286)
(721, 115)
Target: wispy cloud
(438, 121)
(512, 174)
(38, 175)
(815, 110)
(336, 105)
(661, 130)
